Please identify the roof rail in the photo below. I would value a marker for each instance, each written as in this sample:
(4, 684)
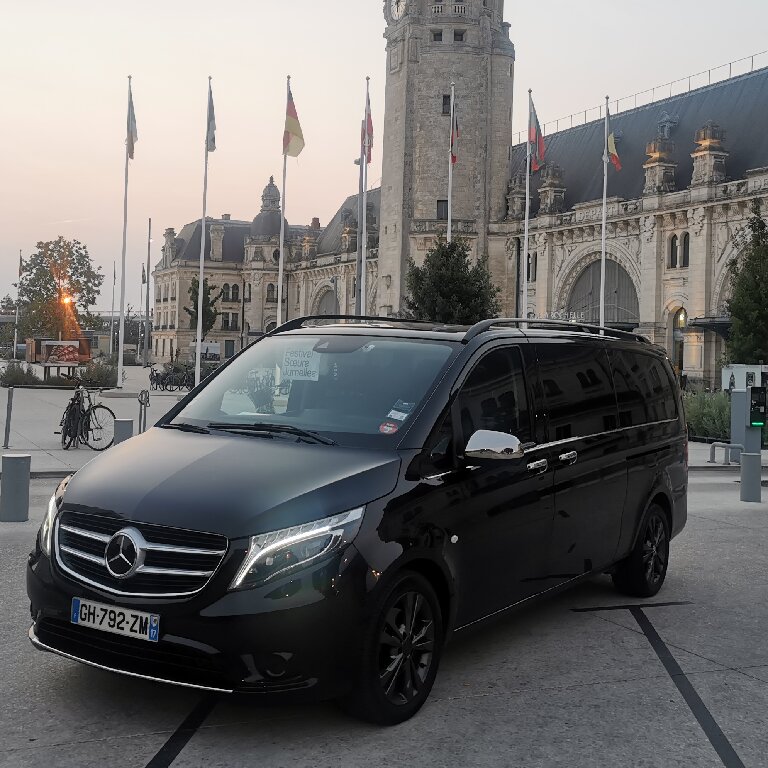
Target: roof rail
(300, 322)
(517, 322)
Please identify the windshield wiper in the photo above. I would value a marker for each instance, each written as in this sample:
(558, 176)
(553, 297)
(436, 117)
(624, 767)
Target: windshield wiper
(184, 427)
(266, 429)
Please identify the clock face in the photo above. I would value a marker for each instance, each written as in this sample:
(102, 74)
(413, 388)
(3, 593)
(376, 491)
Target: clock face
(397, 9)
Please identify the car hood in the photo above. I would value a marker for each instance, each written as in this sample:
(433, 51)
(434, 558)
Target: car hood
(229, 484)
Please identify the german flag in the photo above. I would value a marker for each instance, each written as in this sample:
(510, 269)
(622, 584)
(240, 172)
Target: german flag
(613, 155)
(293, 138)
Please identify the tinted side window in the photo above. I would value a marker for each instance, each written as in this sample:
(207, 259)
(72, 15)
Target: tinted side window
(577, 386)
(643, 388)
(493, 396)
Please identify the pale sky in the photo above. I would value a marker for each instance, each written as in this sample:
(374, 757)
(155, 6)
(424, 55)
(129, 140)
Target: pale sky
(63, 88)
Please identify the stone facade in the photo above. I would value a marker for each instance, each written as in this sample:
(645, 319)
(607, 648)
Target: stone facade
(692, 164)
(241, 260)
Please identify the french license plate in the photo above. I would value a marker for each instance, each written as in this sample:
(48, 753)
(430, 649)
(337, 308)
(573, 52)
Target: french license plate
(119, 621)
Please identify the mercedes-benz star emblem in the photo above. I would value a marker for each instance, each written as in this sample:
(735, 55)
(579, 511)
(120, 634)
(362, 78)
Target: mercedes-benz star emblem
(124, 553)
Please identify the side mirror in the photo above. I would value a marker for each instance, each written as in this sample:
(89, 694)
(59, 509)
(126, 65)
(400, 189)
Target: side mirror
(485, 444)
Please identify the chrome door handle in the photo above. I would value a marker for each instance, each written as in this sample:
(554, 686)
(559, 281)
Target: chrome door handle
(538, 466)
(569, 458)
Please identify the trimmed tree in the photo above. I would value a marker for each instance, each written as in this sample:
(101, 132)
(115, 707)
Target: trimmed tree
(748, 305)
(448, 288)
(209, 306)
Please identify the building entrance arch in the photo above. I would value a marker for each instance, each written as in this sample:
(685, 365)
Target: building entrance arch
(622, 308)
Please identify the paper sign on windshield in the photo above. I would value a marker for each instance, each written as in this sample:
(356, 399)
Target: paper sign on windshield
(301, 364)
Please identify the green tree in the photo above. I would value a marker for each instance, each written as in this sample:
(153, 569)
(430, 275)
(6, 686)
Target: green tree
(59, 282)
(748, 305)
(448, 289)
(209, 306)
(7, 305)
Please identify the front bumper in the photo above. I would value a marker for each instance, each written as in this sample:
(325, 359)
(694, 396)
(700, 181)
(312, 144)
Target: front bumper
(294, 637)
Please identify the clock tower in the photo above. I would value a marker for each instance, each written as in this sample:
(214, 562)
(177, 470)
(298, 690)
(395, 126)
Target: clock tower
(430, 44)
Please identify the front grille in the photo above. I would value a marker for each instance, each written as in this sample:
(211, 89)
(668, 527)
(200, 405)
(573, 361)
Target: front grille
(176, 561)
(163, 660)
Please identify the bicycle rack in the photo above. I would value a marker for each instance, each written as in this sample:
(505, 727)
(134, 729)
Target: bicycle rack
(143, 405)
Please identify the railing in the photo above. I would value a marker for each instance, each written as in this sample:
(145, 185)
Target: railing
(457, 9)
(658, 93)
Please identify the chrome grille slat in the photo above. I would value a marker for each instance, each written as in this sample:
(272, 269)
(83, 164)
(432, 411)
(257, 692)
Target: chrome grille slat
(86, 534)
(186, 569)
(82, 555)
(172, 572)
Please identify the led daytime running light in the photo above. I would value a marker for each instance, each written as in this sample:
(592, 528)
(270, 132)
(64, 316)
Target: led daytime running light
(263, 545)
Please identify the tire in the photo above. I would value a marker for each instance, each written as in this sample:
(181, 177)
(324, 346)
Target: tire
(68, 427)
(642, 574)
(172, 383)
(387, 692)
(98, 430)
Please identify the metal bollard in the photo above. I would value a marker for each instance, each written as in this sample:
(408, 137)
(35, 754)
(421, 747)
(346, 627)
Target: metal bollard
(143, 405)
(8, 412)
(751, 489)
(123, 430)
(14, 488)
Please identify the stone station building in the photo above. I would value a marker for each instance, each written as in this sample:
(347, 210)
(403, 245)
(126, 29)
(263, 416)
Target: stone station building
(691, 166)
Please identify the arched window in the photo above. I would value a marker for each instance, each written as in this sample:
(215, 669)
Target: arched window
(673, 252)
(532, 264)
(276, 255)
(270, 292)
(686, 250)
(225, 292)
(248, 292)
(271, 327)
(298, 294)
(235, 292)
(354, 286)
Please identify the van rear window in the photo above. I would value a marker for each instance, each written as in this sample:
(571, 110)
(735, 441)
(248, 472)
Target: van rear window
(644, 389)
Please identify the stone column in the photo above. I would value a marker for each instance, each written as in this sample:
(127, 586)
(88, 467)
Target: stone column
(652, 324)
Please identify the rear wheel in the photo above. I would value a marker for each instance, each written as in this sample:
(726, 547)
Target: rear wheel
(400, 654)
(172, 383)
(98, 427)
(642, 574)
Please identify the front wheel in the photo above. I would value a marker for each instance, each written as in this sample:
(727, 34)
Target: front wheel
(400, 653)
(68, 427)
(98, 427)
(642, 574)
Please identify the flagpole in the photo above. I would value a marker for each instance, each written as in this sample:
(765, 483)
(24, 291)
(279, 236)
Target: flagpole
(524, 260)
(605, 216)
(112, 312)
(121, 327)
(282, 230)
(18, 295)
(146, 318)
(364, 266)
(450, 165)
(359, 305)
(201, 276)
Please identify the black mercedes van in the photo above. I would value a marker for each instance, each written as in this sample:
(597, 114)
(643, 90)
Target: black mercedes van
(324, 512)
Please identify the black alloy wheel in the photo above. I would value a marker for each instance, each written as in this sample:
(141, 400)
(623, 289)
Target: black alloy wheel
(642, 574)
(401, 653)
(69, 427)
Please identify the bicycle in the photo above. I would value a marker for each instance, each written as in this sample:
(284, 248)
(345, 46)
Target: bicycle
(155, 378)
(86, 422)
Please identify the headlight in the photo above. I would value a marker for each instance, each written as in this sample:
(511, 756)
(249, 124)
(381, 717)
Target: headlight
(275, 553)
(46, 529)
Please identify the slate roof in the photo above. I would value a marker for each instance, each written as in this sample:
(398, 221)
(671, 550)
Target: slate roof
(330, 241)
(235, 234)
(739, 105)
(233, 248)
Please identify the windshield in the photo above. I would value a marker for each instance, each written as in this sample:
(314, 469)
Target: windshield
(354, 389)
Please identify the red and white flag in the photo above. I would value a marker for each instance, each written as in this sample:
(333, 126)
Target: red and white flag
(535, 137)
(454, 134)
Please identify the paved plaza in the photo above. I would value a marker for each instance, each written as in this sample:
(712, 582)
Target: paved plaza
(683, 684)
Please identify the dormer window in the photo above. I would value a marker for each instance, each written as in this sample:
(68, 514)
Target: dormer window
(673, 252)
